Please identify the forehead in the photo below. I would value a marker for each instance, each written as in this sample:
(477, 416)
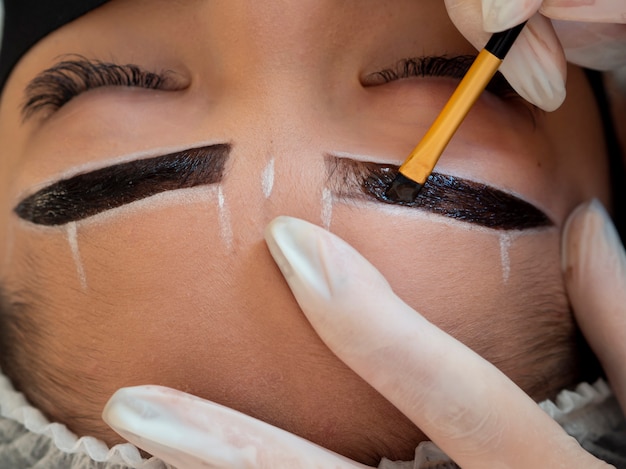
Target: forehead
(291, 19)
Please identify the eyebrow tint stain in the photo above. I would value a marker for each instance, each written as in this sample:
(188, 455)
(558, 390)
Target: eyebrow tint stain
(72, 239)
(445, 195)
(88, 194)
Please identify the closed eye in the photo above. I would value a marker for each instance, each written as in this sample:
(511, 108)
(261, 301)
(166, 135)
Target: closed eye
(54, 87)
(454, 67)
(437, 66)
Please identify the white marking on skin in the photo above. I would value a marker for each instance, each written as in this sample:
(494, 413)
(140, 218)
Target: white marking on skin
(267, 178)
(505, 244)
(226, 230)
(72, 238)
(327, 207)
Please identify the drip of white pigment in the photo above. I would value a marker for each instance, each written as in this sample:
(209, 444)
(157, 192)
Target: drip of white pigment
(505, 245)
(72, 239)
(226, 230)
(327, 207)
(267, 178)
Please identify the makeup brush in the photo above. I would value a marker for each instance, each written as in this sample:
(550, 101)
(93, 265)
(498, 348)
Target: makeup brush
(420, 163)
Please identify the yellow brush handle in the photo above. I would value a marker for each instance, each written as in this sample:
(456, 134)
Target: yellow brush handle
(423, 158)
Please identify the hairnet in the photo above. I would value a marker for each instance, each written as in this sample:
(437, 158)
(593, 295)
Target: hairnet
(590, 413)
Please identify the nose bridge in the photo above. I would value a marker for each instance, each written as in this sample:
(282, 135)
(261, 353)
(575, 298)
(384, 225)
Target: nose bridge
(276, 165)
(277, 169)
(279, 76)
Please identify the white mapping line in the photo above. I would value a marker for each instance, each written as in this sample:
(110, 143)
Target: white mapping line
(267, 178)
(327, 207)
(226, 230)
(505, 245)
(72, 238)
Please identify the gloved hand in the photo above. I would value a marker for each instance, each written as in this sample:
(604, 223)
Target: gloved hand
(415, 365)
(594, 263)
(588, 33)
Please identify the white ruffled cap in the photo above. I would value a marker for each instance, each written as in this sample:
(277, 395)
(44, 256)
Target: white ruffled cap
(588, 413)
(13, 406)
(577, 411)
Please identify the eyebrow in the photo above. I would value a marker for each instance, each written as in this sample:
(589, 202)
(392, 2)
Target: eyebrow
(88, 194)
(445, 195)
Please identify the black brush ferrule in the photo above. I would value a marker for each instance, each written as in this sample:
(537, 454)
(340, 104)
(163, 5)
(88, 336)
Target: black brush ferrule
(403, 189)
(500, 43)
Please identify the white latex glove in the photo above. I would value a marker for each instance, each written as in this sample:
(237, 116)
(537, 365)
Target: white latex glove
(463, 403)
(591, 33)
(594, 263)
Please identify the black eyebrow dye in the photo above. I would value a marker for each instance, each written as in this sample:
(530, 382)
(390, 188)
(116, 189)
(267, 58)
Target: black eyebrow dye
(88, 194)
(442, 194)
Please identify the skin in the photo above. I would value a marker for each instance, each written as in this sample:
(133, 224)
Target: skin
(167, 300)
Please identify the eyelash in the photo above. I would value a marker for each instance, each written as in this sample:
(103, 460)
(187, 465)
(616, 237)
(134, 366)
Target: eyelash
(69, 78)
(439, 66)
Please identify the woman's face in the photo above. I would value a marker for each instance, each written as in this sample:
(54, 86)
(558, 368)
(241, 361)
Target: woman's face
(145, 268)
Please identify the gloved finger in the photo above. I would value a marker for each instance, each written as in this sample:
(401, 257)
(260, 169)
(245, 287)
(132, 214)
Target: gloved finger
(594, 265)
(463, 403)
(189, 432)
(600, 46)
(535, 67)
(499, 15)
(597, 11)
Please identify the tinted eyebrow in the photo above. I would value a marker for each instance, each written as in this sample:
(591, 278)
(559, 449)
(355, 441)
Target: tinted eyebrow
(88, 194)
(444, 195)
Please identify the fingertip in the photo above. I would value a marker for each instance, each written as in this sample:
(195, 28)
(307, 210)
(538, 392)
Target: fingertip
(592, 251)
(570, 238)
(275, 225)
(599, 46)
(499, 15)
(536, 66)
(595, 278)
(598, 11)
(173, 426)
(114, 413)
(131, 407)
